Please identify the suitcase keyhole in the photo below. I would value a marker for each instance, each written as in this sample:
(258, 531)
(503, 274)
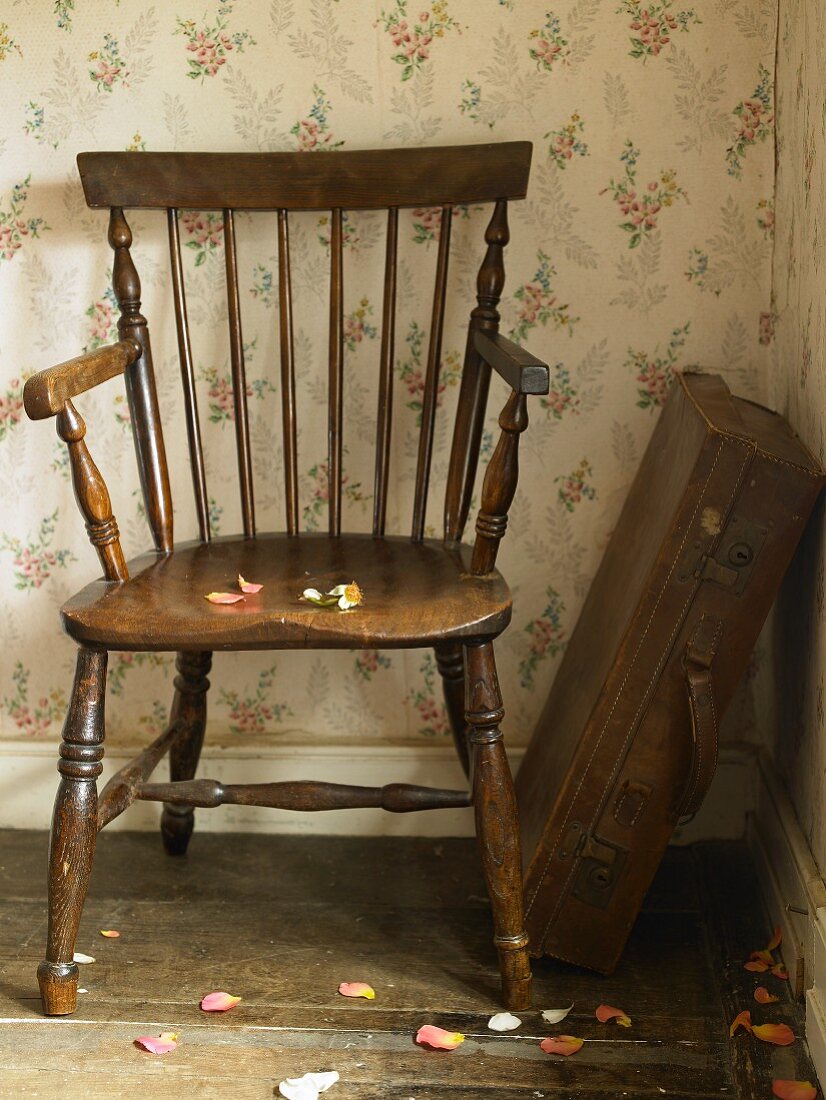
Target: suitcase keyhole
(740, 554)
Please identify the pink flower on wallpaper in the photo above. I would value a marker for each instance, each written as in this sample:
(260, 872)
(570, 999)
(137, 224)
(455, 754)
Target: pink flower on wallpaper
(766, 328)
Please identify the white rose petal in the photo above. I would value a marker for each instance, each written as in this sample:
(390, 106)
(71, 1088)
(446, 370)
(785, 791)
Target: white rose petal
(504, 1021)
(309, 1086)
(312, 594)
(554, 1015)
(79, 957)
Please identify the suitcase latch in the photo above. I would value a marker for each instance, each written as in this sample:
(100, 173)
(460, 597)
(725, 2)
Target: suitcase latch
(733, 560)
(600, 867)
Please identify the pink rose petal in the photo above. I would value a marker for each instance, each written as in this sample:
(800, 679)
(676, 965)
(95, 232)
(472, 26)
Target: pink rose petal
(438, 1038)
(109, 933)
(219, 1002)
(357, 989)
(248, 586)
(223, 597)
(158, 1044)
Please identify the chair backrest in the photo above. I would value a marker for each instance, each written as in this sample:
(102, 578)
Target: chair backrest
(441, 177)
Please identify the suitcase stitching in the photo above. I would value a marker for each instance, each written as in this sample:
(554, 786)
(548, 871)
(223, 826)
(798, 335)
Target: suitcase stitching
(751, 449)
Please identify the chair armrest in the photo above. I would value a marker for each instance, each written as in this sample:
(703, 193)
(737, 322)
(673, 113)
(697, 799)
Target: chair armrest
(46, 393)
(523, 372)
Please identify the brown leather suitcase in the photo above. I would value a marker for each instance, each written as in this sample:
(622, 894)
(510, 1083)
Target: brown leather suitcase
(627, 742)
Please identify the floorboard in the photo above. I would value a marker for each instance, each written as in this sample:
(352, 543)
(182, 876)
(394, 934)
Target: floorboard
(281, 921)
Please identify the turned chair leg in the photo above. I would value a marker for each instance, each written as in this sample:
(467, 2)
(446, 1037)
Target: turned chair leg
(497, 825)
(74, 831)
(189, 710)
(450, 660)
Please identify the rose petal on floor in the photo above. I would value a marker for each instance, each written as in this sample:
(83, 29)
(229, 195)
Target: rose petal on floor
(248, 586)
(605, 1013)
(79, 957)
(438, 1038)
(158, 1044)
(742, 1019)
(308, 1087)
(357, 989)
(504, 1021)
(109, 933)
(561, 1044)
(556, 1015)
(794, 1090)
(779, 1034)
(763, 997)
(756, 966)
(219, 1002)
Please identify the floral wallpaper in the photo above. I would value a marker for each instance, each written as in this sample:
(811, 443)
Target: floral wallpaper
(791, 680)
(645, 245)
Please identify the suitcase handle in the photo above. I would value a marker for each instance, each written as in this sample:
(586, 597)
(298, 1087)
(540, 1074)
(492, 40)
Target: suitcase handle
(697, 663)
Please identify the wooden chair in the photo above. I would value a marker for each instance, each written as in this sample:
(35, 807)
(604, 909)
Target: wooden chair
(420, 592)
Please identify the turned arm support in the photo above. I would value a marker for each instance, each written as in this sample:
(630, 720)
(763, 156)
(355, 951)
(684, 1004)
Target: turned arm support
(525, 374)
(49, 393)
(46, 392)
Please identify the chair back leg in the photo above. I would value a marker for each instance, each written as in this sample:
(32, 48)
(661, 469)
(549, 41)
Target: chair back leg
(497, 824)
(189, 712)
(74, 831)
(450, 661)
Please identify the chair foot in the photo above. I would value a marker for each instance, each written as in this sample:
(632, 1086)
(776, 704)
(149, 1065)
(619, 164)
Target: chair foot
(515, 968)
(497, 824)
(58, 987)
(177, 824)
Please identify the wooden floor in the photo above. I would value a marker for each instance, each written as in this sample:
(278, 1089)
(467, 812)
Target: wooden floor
(281, 921)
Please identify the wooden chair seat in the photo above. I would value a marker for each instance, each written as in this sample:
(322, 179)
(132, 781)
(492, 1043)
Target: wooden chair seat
(415, 594)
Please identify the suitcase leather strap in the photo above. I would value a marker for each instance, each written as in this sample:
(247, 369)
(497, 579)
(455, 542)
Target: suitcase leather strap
(697, 663)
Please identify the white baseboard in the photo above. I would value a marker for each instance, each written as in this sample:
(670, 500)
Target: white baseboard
(28, 781)
(796, 895)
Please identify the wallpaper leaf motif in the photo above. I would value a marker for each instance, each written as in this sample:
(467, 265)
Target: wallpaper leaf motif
(697, 100)
(506, 87)
(327, 48)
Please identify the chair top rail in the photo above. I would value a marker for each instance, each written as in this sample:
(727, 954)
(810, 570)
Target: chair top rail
(351, 180)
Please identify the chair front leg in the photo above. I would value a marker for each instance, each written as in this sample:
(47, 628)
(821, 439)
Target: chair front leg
(189, 712)
(74, 831)
(450, 661)
(497, 824)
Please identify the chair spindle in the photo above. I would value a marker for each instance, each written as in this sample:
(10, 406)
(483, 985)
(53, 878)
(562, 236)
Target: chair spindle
(336, 390)
(473, 393)
(288, 405)
(193, 425)
(239, 377)
(388, 343)
(431, 384)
